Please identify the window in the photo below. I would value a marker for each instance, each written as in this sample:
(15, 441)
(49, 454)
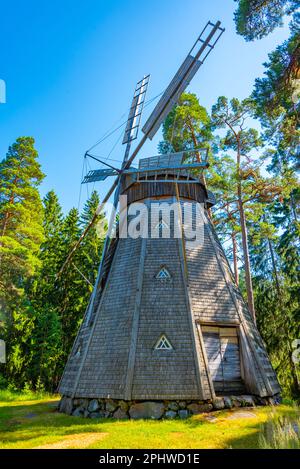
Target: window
(162, 224)
(163, 274)
(77, 352)
(163, 344)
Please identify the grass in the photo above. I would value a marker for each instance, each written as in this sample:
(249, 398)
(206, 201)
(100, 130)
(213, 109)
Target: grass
(7, 395)
(34, 423)
(281, 432)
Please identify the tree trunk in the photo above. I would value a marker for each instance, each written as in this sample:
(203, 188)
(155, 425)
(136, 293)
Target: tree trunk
(235, 259)
(202, 177)
(249, 287)
(274, 267)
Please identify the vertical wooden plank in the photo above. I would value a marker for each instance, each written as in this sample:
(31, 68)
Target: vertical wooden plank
(197, 351)
(92, 330)
(240, 314)
(135, 323)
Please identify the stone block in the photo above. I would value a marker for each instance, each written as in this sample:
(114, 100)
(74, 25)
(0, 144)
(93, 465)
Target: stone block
(170, 414)
(66, 405)
(173, 406)
(93, 405)
(218, 403)
(123, 405)
(183, 413)
(147, 410)
(246, 401)
(199, 408)
(227, 402)
(78, 412)
(120, 414)
(235, 401)
(84, 403)
(182, 404)
(111, 406)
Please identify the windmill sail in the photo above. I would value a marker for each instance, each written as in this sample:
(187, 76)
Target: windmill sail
(183, 77)
(199, 53)
(135, 111)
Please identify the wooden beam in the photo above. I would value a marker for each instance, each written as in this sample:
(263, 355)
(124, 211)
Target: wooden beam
(193, 328)
(135, 323)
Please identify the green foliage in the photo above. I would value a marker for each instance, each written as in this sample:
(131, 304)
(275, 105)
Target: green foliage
(281, 431)
(242, 174)
(10, 395)
(277, 101)
(186, 126)
(19, 340)
(40, 314)
(257, 18)
(47, 350)
(21, 215)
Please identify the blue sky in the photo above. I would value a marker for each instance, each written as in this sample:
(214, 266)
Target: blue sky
(70, 69)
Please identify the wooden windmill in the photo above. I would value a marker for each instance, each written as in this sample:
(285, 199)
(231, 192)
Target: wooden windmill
(166, 332)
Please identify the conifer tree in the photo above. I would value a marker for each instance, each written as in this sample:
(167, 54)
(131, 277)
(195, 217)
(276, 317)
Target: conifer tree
(21, 234)
(257, 18)
(92, 244)
(21, 213)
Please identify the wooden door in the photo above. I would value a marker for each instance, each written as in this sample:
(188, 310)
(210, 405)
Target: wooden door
(223, 354)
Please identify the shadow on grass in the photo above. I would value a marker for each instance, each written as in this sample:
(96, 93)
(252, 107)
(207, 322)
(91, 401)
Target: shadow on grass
(31, 424)
(24, 422)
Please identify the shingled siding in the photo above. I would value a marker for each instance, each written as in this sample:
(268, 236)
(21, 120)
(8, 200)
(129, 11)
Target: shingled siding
(211, 300)
(266, 379)
(68, 380)
(164, 374)
(105, 365)
(118, 358)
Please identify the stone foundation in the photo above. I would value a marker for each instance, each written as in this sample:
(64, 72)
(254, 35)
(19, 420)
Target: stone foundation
(119, 409)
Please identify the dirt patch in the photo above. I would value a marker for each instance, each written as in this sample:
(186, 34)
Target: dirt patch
(78, 440)
(210, 418)
(241, 414)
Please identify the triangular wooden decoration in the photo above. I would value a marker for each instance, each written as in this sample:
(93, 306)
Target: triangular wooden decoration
(162, 224)
(163, 274)
(163, 343)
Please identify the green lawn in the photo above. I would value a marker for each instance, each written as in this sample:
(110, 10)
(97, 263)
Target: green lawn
(36, 424)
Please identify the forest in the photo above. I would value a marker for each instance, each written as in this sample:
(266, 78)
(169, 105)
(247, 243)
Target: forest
(253, 146)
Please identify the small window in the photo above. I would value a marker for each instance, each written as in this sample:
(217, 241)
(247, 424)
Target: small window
(163, 344)
(162, 224)
(77, 352)
(163, 274)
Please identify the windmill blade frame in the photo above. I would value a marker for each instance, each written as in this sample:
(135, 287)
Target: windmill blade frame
(155, 120)
(195, 58)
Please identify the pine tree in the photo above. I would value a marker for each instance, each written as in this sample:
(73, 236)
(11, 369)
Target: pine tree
(71, 287)
(46, 366)
(46, 362)
(257, 18)
(92, 245)
(21, 234)
(76, 284)
(252, 189)
(51, 252)
(20, 218)
(186, 126)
